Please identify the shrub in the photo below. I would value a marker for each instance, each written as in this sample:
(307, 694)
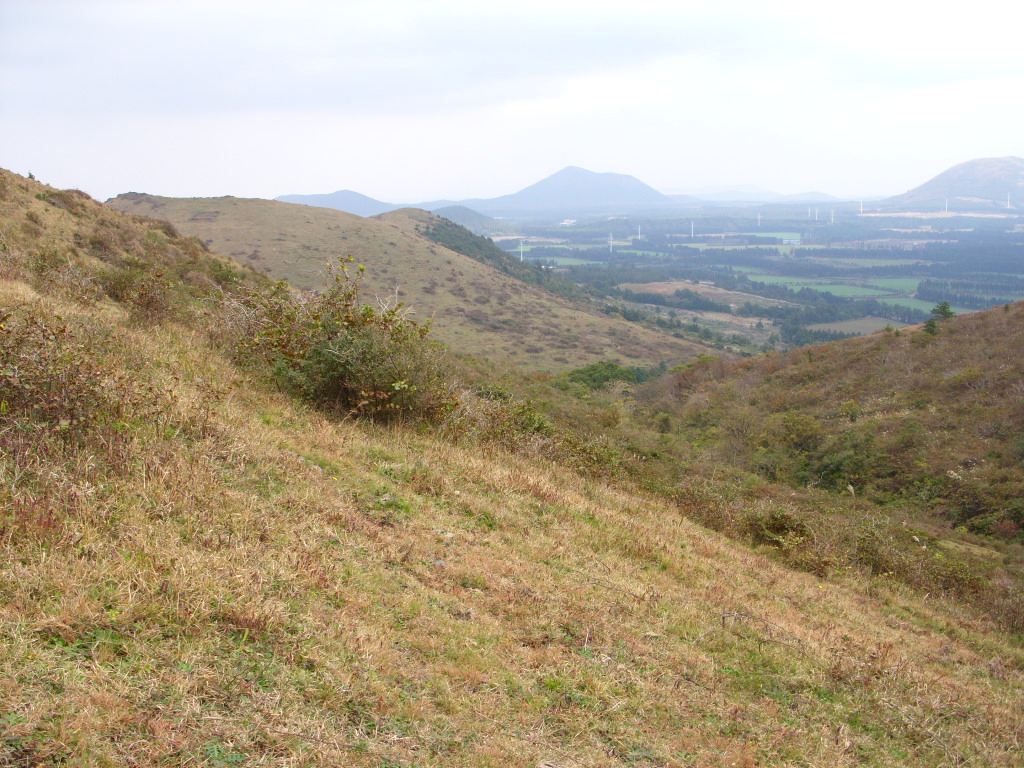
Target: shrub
(777, 527)
(343, 355)
(599, 374)
(51, 380)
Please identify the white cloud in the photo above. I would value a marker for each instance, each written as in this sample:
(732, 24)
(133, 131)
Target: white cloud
(411, 100)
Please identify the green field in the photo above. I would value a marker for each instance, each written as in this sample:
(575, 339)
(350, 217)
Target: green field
(856, 291)
(821, 284)
(901, 284)
(860, 326)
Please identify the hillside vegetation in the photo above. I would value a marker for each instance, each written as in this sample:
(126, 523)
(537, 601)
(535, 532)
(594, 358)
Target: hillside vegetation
(927, 415)
(473, 307)
(208, 556)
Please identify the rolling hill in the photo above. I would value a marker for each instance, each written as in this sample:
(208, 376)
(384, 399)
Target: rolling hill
(926, 416)
(473, 307)
(202, 566)
(983, 184)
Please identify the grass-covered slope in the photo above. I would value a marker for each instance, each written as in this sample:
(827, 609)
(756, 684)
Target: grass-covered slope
(473, 307)
(199, 568)
(929, 415)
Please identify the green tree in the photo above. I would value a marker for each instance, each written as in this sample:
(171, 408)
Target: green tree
(942, 311)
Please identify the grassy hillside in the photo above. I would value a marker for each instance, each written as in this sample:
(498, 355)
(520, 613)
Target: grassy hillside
(203, 563)
(928, 416)
(473, 307)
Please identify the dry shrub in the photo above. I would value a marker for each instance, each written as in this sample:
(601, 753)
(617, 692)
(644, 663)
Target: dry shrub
(51, 378)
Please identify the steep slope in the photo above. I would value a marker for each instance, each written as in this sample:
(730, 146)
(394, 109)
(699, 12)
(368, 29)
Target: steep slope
(473, 308)
(199, 570)
(977, 184)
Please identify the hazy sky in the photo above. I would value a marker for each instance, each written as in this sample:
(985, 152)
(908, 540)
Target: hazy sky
(414, 101)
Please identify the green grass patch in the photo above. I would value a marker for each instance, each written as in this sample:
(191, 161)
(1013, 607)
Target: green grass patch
(853, 291)
(901, 284)
(860, 326)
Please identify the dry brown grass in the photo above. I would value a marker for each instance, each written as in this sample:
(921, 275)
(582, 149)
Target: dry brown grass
(225, 577)
(256, 584)
(472, 307)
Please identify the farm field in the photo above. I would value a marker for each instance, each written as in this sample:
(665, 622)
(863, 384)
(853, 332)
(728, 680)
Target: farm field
(861, 326)
(900, 284)
(821, 284)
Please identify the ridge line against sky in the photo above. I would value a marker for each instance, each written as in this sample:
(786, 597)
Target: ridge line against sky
(412, 101)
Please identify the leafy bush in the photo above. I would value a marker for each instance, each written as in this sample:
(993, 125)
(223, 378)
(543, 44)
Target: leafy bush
(599, 374)
(776, 526)
(341, 354)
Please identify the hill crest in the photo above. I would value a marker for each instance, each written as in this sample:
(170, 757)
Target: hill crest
(981, 183)
(473, 307)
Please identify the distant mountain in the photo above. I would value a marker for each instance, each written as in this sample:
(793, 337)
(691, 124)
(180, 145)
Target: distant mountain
(343, 200)
(571, 191)
(976, 184)
(576, 191)
(583, 189)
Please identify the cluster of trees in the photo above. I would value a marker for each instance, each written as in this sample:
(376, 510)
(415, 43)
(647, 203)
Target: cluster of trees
(681, 298)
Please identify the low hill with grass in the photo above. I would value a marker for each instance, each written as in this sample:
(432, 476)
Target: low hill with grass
(472, 307)
(244, 525)
(928, 416)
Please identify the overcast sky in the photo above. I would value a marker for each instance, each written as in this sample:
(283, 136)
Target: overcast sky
(414, 101)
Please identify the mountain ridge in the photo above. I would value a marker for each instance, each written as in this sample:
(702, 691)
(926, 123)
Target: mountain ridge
(577, 191)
